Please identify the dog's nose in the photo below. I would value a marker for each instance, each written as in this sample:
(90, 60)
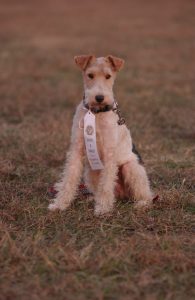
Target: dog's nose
(99, 98)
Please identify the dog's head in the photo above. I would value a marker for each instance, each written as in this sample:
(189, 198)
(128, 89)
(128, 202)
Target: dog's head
(99, 75)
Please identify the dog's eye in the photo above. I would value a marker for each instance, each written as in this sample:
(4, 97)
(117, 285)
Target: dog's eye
(90, 75)
(108, 76)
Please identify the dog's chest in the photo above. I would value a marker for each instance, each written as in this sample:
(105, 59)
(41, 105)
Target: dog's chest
(106, 132)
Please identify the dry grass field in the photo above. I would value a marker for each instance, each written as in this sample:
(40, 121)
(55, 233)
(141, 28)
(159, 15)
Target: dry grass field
(73, 255)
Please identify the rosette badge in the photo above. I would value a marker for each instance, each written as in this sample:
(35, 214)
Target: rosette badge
(89, 130)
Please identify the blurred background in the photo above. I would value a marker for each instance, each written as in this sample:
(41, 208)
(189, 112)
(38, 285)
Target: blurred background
(156, 88)
(40, 87)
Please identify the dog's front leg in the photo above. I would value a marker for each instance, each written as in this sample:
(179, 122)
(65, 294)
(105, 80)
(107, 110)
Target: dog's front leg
(67, 187)
(104, 198)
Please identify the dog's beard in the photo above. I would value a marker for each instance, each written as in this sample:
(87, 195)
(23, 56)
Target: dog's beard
(103, 107)
(93, 105)
(97, 107)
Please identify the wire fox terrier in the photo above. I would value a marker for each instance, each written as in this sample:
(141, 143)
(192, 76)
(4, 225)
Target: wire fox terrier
(122, 174)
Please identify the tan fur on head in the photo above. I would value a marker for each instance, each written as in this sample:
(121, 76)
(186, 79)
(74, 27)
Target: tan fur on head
(83, 61)
(98, 77)
(116, 63)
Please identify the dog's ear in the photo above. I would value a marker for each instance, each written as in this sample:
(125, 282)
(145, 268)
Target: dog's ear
(82, 61)
(116, 63)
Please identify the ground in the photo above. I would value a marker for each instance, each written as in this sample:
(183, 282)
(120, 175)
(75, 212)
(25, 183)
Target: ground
(74, 255)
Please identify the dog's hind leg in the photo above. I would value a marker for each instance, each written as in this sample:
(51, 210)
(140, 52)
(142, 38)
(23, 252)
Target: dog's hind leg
(137, 183)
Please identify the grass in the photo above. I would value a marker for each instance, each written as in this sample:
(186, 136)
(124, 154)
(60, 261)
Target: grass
(74, 255)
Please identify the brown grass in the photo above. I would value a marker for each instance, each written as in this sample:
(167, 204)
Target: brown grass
(73, 255)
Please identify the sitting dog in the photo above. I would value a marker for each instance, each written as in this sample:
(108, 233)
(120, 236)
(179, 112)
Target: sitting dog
(122, 173)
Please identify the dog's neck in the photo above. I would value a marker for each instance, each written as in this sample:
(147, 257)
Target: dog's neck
(106, 108)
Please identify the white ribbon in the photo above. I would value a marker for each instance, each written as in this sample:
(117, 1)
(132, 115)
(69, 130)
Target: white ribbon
(90, 142)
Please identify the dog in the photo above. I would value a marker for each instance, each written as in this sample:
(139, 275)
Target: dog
(122, 174)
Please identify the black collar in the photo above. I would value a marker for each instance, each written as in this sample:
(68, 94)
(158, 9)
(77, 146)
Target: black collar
(106, 108)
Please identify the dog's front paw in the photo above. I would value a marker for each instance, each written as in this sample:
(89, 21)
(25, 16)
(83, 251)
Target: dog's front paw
(102, 210)
(53, 207)
(142, 204)
(57, 206)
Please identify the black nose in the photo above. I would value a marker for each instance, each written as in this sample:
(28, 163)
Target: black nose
(99, 98)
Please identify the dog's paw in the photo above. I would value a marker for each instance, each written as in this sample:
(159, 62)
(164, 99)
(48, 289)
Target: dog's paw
(53, 207)
(142, 204)
(57, 206)
(101, 211)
